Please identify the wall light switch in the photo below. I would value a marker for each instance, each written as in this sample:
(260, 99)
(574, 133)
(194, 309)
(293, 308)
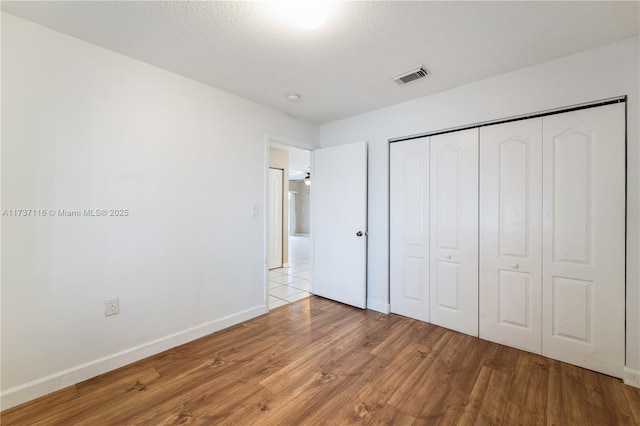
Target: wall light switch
(255, 211)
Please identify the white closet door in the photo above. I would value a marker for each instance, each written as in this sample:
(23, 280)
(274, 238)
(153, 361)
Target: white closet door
(511, 234)
(409, 228)
(454, 231)
(584, 238)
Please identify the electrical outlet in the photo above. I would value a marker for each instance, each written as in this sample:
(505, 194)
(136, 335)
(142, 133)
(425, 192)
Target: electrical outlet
(111, 307)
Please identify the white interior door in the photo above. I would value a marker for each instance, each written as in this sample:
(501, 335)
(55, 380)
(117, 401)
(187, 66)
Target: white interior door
(454, 231)
(511, 234)
(339, 189)
(409, 228)
(584, 238)
(275, 218)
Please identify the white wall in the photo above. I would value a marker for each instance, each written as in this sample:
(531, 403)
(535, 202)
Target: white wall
(303, 205)
(599, 73)
(86, 128)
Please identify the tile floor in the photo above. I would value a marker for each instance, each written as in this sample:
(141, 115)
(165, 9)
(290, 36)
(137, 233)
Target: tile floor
(287, 285)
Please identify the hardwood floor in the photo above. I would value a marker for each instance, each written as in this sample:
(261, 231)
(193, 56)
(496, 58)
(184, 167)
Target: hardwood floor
(320, 362)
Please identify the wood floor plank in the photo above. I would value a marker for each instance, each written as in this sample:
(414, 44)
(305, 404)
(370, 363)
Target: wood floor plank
(567, 396)
(435, 406)
(353, 383)
(374, 394)
(390, 416)
(323, 363)
(307, 361)
(555, 396)
(344, 386)
(426, 376)
(606, 399)
(243, 413)
(461, 371)
(346, 361)
(575, 394)
(518, 416)
(225, 403)
(500, 357)
(633, 397)
(235, 386)
(172, 391)
(453, 409)
(74, 410)
(480, 389)
(405, 332)
(494, 401)
(177, 416)
(32, 411)
(529, 389)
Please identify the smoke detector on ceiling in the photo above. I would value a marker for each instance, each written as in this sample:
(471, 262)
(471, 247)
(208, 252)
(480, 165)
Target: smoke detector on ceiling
(410, 75)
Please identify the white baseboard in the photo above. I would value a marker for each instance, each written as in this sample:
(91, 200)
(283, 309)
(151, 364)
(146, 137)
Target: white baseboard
(375, 305)
(631, 377)
(43, 386)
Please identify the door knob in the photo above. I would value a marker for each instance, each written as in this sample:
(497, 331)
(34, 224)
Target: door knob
(359, 234)
(448, 256)
(514, 265)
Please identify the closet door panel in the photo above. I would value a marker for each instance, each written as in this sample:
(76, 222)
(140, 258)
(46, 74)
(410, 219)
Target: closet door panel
(409, 228)
(511, 234)
(584, 238)
(454, 231)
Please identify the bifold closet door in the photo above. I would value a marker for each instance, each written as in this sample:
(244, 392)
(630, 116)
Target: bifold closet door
(511, 234)
(454, 231)
(409, 228)
(584, 238)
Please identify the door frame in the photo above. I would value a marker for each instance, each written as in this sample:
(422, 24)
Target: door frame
(281, 207)
(275, 141)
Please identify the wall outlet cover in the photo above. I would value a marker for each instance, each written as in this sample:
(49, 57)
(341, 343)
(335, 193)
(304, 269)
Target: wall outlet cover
(111, 307)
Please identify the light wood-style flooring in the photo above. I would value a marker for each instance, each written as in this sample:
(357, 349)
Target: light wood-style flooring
(320, 362)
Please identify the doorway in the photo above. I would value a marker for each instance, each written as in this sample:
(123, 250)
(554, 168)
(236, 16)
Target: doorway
(289, 279)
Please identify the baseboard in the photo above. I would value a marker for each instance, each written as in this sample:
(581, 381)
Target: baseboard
(374, 305)
(37, 388)
(631, 377)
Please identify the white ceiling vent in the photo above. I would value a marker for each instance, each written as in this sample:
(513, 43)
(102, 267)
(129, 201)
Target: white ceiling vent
(411, 75)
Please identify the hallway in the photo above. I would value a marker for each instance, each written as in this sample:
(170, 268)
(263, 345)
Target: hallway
(287, 285)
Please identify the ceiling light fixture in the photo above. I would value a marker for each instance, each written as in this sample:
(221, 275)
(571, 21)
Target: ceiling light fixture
(294, 98)
(306, 14)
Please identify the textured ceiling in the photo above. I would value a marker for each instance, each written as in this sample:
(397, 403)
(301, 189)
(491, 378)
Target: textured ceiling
(343, 68)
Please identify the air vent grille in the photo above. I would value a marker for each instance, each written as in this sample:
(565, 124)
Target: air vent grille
(411, 75)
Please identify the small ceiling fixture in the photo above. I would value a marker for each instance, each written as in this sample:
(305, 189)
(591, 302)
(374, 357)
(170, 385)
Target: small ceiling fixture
(307, 179)
(293, 98)
(410, 75)
(307, 14)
